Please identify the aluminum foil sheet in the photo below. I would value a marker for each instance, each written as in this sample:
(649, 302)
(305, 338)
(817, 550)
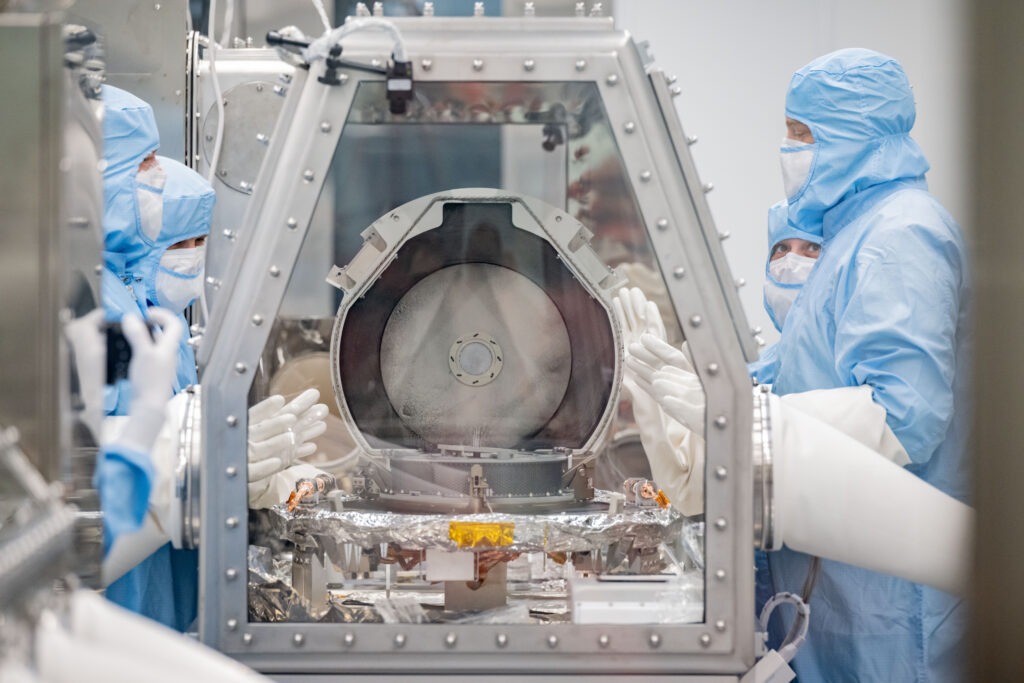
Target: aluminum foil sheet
(560, 532)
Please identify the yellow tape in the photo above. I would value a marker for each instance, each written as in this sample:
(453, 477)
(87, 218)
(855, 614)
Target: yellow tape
(481, 534)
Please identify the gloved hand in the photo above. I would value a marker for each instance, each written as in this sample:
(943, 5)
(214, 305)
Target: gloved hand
(85, 335)
(667, 374)
(278, 436)
(675, 454)
(151, 373)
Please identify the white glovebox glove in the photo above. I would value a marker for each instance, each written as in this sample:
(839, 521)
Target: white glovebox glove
(277, 487)
(675, 454)
(667, 374)
(151, 373)
(280, 435)
(839, 499)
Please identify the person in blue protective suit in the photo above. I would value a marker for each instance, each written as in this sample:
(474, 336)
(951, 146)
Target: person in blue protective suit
(886, 306)
(155, 211)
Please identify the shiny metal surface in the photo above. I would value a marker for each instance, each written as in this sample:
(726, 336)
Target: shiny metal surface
(250, 112)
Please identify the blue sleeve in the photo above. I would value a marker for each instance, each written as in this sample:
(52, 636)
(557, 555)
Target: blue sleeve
(124, 479)
(896, 321)
(765, 369)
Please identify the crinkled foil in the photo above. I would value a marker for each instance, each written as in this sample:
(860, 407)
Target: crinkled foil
(551, 533)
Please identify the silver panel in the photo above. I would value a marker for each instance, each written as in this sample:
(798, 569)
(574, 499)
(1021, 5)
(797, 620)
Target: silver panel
(145, 54)
(252, 292)
(33, 262)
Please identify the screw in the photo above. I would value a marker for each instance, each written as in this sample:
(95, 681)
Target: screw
(708, 187)
(231, 471)
(692, 140)
(298, 640)
(274, 271)
(662, 224)
(629, 127)
(308, 175)
(292, 223)
(280, 90)
(721, 421)
(260, 137)
(676, 91)
(247, 638)
(705, 639)
(501, 640)
(679, 273)
(231, 420)
(232, 624)
(721, 523)
(603, 640)
(400, 640)
(325, 126)
(257, 320)
(612, 79)
(713, 368)
(529, 64)
(654, 640)
(721, 472)
(581, 64)
(231, 522)
(720, 575)
(552, 641)
(645, 176)
(229, 234)
(478, 65)
(349, 639)
(671, 79)
(427, 64)
(240, 368)
(231, 574)
(696, 320)
(720, 625)
(450, 640)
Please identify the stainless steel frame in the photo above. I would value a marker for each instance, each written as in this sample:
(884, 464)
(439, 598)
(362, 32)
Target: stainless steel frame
(263, 251)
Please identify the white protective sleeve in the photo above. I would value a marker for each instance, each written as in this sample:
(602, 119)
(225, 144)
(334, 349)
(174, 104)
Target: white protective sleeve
(107, 643)
(130, 549)
(840, 500)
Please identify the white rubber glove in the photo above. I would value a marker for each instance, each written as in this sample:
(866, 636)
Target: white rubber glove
(279, 434)
(667, 373)
(85, 335)
(675, 454)
(838, 499)
(151, 373)
(278, 486)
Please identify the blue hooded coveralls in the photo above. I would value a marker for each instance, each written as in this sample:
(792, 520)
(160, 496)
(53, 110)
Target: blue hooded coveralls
(886, 305)
(164, 586)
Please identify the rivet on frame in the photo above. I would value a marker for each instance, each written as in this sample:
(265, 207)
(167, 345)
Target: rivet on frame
(231, 471)
(612, 79)
(741, 282)
(676, 91)
(691, 140)
(720, 625)
(241, 367)
(581, 64)
(721, 472)
(679, 272)
(257, 320)
(247, 638)
(400, 640)
(231, 522)
(478, 65)
(232, 624)
(231, 574)
(325, 126)
(713, 368)
(603, 640)
(552, 641)
(696, 320)
(705, 640)
(450, 639)
(427, 64)
(298, 640)
(654, 640)
(723, 236)
(720, 574)
(529, 64)
(662, 224)
(721, 421)
(308, 175)
(721, 523)
(349, 639)
(231, 420)
(501, 640)
(629, 127)
(274, 271)
(292, 223)
(645, 176)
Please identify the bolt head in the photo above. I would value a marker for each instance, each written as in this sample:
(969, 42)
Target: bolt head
(274, 271)
(247, 638)
(231, 420)
(705, 639)
(308, 175)
(691, 140)
(450, 640)
(603, 640)
(240, 368)
(232, 624)
(400, 640)
(679, 272)
(721, 421)
(629, 127)
(231, 574)
(298, 640)
(552, 641)
(654, 640)
(325, 126)
(292, 223)
(427, 64)
(231, 522)
(529, 64)
(349, 639)
(721, 472)
(231, 472)
(257, 320)
(612, 79)
(676, 91)
(721, 524)
(662, 224)
(720, 625)
(501, 640)
(720, 574)
(696, 320)
(645, 176)
(581, 64)
(713, 368)
(478, 65)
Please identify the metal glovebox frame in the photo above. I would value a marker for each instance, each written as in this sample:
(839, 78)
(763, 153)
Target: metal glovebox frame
(263, 251)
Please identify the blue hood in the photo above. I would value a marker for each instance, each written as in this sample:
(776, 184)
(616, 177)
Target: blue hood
(779, 228)
(129, 135)
(188, 210)
(860, 108)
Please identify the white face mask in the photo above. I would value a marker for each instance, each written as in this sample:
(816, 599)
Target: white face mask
(796, 158)
(788, 275)
(149, 189)
(179, 278)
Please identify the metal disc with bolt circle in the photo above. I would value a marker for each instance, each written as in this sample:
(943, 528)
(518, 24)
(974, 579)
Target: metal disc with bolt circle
(521, 339)
(250, 112)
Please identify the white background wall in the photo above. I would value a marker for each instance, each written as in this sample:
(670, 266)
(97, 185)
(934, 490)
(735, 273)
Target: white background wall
(734, 61)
